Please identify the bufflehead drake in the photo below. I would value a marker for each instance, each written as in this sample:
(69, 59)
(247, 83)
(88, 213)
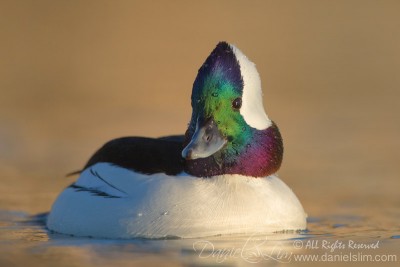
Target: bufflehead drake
(217, 179)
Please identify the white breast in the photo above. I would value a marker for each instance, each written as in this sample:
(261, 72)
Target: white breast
(159, 205)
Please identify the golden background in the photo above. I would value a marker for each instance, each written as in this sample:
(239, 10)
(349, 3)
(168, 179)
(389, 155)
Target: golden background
(74, 74)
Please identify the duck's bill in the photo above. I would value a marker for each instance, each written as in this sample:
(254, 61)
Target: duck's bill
(206, 140)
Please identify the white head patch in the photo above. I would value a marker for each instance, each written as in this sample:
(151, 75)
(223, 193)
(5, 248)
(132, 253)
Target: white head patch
(252, 108)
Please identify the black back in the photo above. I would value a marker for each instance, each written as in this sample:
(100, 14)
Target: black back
(144, 155)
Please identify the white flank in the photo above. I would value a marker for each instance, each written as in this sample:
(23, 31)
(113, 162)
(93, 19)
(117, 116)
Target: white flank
(155, 206)
(252, 108)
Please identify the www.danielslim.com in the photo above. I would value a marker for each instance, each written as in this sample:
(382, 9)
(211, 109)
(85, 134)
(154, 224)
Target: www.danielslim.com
(341, 251)
(345, 257)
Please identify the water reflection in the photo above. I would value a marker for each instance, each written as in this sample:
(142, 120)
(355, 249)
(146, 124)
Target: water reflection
(24, 239)
(330, 238)
(30, 235)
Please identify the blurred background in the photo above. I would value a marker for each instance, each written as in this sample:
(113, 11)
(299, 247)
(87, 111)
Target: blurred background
(75, 74)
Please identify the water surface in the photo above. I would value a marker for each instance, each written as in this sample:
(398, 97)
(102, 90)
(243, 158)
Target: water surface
(339, 239)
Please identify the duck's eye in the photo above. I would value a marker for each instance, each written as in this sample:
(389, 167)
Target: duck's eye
(237, 103)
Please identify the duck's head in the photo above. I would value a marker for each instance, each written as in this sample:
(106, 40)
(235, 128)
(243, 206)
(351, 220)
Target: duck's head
(229, 131)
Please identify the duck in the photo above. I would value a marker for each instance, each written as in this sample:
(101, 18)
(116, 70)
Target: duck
(219, 178)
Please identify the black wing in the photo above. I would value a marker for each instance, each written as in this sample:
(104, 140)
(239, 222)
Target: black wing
(141, 154)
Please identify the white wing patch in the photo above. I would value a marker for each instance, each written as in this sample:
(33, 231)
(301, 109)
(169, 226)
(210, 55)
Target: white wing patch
(252, 108)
